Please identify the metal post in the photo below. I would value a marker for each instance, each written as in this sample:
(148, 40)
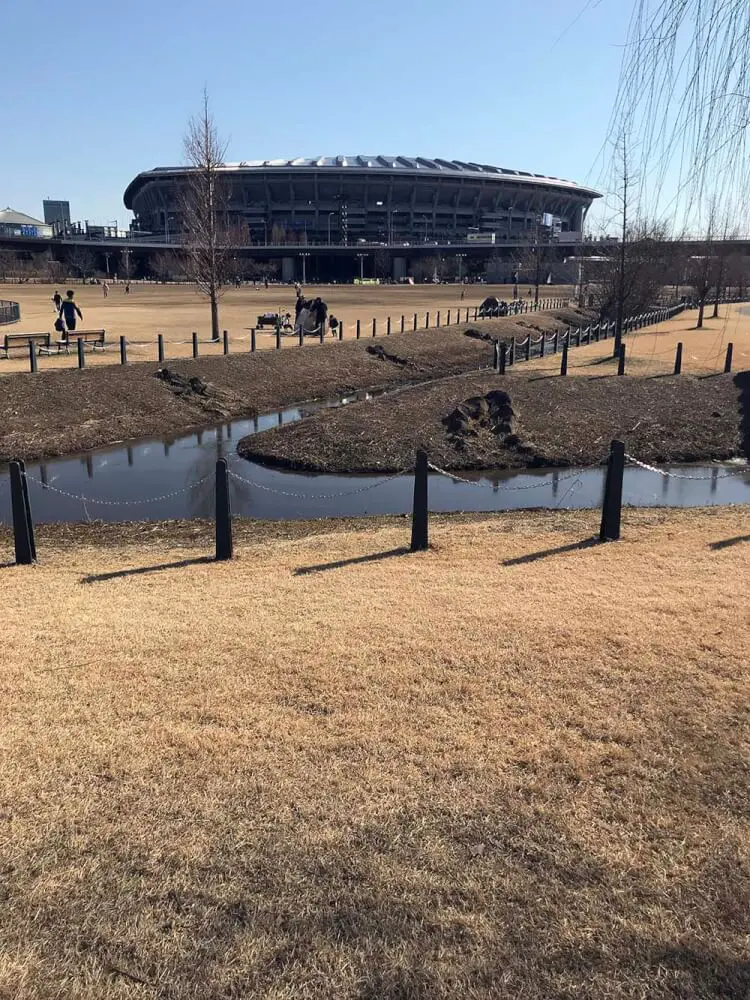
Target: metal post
(728, 359)
(402, 322)
(609, 530)
(541, 345)
(475, 313)
(678, 359)
(341, 329)
(555, 342)
(81, 357)
(223, 512)
(252, 339)
(621, 361)
(503, 357)
(278, 337)
(448, 320)
(160, 346)
(512, 352)
(437, 321)
(24, 551)
(415, 321)
(226, 341)
(388, 327)
(27, 508)
(123, 351)
(301, 336)
(419, 516)
(374, 327)
(427, 321)
(32, 357)
(195, 344)
(358, 329)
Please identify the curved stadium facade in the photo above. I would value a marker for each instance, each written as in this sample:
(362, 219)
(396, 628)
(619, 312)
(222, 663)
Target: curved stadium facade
(349, 200)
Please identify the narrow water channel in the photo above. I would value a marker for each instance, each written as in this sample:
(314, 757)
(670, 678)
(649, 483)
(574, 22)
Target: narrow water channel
(156, 480)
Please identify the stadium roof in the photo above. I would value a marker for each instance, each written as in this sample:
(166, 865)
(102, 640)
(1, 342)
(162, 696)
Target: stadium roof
(434, 166)
(10, 217)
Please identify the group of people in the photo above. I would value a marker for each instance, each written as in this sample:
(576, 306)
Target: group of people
(68, 312)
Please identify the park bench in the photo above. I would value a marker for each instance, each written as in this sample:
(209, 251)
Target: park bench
(268, 319)
(13, 340)
(93, 337)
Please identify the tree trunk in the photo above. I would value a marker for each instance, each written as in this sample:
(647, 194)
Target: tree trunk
(699, 324)
(214, 314)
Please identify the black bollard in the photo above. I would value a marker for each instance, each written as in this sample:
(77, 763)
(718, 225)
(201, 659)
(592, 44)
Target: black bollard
(22, 530)
(81, 357)
(427, 321)
(512, 352)
(476, 308)
(223, 512)
(322, 331)
(374, 327)
(195, 344)
(123, 351)
(252, 339)
(448, 320)
(27, 507)
(541, 346)
(32, 357)
(564, 362)
(609, 530)
(358, 329)
(728, 359)
(341, 329)
(419, 516)
(437, 320)
(503, 357)
(225, 335)
(301, 337)
(555, 342)
(621, 361)
(388, 327)
(278, 338)
(402, 323)
(678, 359)
(160, 346)
(415, 321)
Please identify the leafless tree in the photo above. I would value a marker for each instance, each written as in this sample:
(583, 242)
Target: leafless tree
(82, 260)
(164, 265)
(204, 202)
(8, 264)
(630, 283)
(381, 263)
(127, 264)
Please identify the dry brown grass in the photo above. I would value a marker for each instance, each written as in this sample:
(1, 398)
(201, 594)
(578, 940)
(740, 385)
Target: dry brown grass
(176, 310)
(651, 351)
(455, 774)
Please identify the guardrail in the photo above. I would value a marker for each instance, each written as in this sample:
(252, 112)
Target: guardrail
(10, 312)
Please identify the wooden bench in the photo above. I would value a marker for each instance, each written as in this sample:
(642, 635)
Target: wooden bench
(93, 337)
(14, 340)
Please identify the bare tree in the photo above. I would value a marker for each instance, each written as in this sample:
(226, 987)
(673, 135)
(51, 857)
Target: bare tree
(164, 265)
(204, 203)
(8, 264)
(82, 260)
(631, 282)
(127, 264)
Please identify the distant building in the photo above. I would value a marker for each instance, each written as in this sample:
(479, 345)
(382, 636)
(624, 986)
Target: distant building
(57, 214)
(14, 223)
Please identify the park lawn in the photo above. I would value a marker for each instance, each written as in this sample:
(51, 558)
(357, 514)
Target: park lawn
(512, 766)
(175, 310)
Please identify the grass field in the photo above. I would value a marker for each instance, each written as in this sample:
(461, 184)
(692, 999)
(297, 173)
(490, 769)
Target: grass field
(651, 351)
(176, 310)
(512, 766)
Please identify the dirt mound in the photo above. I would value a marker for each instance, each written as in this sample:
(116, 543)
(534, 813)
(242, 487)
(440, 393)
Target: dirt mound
(197, 391)
(489, 414)
(379, 352)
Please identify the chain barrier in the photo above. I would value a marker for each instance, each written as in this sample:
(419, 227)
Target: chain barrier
(318, 496)
(118, 503)
(676, 475)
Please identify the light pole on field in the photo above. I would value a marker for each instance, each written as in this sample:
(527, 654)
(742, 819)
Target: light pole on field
(329, 227)
(304, 257)
(361, 265)
(461, 257)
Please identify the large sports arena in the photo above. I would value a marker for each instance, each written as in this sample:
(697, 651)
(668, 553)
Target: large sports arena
(350, 200)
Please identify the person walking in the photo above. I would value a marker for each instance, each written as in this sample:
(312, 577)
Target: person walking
(105, 289)
(68, 311)
(127, 288)
(56, 301)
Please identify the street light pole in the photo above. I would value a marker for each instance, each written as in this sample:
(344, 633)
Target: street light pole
(304, 257)
(329, 227)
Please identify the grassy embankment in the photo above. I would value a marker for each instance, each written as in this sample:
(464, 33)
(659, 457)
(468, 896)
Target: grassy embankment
(515, 765)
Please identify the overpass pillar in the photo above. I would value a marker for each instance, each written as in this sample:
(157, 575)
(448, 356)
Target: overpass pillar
(287, 269)
(399, 268)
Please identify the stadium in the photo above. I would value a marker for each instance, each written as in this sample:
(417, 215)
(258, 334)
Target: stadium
(346, 201)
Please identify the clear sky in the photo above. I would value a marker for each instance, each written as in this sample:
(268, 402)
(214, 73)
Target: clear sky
(93, 93)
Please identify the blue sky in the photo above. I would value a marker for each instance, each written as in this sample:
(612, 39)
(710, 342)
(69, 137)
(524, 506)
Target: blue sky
(93, 93)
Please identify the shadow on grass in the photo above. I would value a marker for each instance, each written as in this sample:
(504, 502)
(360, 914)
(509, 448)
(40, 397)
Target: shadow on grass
(403, 550)
(726, 543)
(587, 543)
(142, 570)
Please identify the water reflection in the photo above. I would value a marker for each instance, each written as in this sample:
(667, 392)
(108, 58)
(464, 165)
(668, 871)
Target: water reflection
(181, 471)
